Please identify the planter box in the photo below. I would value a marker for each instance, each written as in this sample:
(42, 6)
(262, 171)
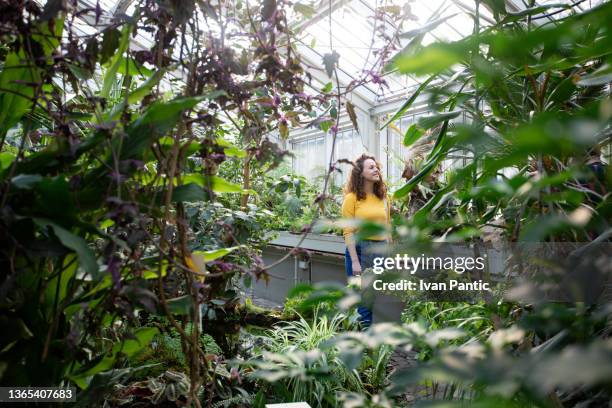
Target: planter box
(327, 243)
(326, 265)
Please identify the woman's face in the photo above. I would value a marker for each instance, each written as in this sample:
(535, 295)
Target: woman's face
(370, 171)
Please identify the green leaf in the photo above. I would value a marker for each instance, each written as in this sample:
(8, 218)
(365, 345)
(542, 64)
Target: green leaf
(409, 102)
(181, 306)
(368, 229)
(439, 198)
(54, 199)
(325, 125)
(26, 181)
(136, 95)
(215, 183)
(427, 122)
(300, 289)
(433, 59)
(158, 119)
(103, 383)
(128, 66)
(208, 256)
(18, 72)
(129, 347)
(115, 61)
(229, 149)
(192, 148)
(234, 151)
(412, 135)
(79, 72)
(351, 357)
(110, 42)
(409, 49)
(425, 170)
(57, 288)
(541, 228)
(190, 192)
(333, 112)
(87, 258)
(6, 159)
(13, 329)
(220, 185)
(215, 94)
(438, 145)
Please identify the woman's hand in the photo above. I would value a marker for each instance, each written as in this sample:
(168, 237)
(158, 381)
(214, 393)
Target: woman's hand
(356, 268)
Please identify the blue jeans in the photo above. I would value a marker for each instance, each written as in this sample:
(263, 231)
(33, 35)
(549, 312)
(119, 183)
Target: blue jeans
(366, 252)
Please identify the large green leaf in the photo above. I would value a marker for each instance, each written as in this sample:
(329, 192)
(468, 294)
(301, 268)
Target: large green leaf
(427, 122)
(53, 199)
(19, 73)
(26, 181)
(432, 59)
(190, 192)
(220, 185)
(110, 76)
(57, 287)
(141, 338)
(208, 256)
(230, 149)
(136, 95)
(158, 119)
(181, 306)
(408, 102)
(215, 183)
(6, 159)
(197, 185)
(425, 170)
(87, 258)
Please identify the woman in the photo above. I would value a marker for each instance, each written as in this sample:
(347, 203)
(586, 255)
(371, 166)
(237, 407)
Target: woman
(365, 199)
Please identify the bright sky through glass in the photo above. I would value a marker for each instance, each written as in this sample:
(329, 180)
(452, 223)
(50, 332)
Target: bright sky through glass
(352, 27)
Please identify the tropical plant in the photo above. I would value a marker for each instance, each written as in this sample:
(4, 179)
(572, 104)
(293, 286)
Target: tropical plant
(533, 95)
(169, 386)
(477, 320)
(297, 362)
(103, 145)
(97, 163)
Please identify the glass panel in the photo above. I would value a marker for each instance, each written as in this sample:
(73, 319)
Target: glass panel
(349, 145)
(309, 160)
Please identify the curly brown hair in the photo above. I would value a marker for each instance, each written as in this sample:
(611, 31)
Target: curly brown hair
(355, 181)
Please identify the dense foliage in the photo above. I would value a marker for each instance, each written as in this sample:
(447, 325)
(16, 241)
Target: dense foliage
(112, 203)
(99, 160)
(137, 188)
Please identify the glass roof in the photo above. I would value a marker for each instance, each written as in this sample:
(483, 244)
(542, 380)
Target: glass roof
(353, 26)
(349, 30)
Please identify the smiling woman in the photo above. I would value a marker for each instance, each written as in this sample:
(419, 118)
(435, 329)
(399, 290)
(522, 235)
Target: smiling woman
(365, 200)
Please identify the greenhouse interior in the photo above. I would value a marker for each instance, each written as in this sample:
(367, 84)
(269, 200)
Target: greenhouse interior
(306, 203)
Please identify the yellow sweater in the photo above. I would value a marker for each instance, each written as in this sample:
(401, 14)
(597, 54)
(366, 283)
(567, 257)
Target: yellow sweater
(371, 208)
